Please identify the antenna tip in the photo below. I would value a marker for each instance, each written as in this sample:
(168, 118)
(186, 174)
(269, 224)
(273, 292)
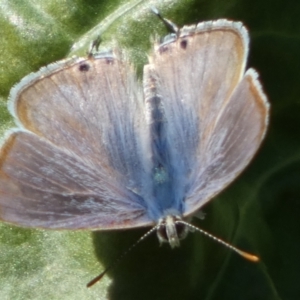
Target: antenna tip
(249, 256)
(96, 279)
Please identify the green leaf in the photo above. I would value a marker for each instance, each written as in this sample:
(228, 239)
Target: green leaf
(258, 213)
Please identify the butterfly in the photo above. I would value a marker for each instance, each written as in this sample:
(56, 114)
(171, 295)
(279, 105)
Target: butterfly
(95, 149)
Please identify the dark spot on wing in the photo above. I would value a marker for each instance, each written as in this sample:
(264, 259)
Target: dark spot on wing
(84, 67)
(183, 44)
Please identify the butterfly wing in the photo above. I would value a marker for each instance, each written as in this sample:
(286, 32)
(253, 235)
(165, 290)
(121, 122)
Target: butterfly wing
(76, 159)
(237, 135)
(215, 114)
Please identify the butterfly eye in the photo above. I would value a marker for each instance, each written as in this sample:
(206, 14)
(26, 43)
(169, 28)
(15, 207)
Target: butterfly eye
(181, 230)
(162, 233)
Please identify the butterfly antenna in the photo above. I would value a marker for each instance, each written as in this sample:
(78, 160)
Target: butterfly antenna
(94, 46)
(169, 24)
(119, 259)
(244, 254)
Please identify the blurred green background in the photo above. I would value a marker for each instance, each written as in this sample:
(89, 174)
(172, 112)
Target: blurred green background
(259, 212)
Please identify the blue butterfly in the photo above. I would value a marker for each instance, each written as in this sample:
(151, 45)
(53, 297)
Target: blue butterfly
(94, 149)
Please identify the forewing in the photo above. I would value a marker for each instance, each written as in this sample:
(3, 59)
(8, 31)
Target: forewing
(196, 74)
(90, 107)
(43, 186)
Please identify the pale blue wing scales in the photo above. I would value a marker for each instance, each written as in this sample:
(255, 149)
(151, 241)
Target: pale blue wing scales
(194, 76)
(43, 186)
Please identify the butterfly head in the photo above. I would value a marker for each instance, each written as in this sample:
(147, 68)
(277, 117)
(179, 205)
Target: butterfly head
(171, 230)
